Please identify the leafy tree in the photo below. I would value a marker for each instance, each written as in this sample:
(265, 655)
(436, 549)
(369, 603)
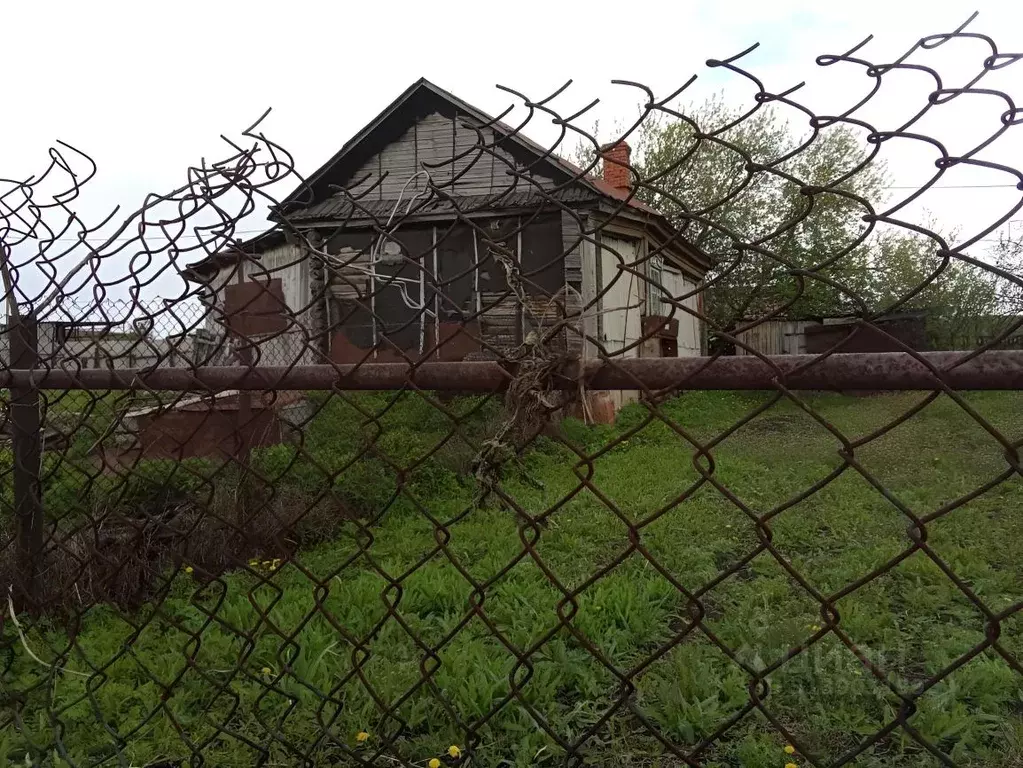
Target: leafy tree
(967, 304)
(1008, 258)
(961, 300)
(779, 243)
(772, 244)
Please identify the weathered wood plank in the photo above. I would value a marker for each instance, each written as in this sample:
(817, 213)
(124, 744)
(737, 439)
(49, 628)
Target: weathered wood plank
(441, 141)
(571, 247)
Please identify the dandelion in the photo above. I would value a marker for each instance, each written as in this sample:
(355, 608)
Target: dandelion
(789, 749)
(434, 763)
(361, 736)
(454, 751)
(188, 569)
(791, 765)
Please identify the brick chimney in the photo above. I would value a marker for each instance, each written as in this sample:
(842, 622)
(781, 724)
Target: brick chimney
(616, 165)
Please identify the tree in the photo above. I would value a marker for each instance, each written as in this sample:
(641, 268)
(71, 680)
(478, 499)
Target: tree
(771, 244)
(1008, 258)
(960, 300)
(779, 243)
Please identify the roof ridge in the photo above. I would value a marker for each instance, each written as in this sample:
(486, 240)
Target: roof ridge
(512, 133)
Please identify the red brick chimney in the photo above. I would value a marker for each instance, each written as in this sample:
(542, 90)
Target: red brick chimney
(616, 165)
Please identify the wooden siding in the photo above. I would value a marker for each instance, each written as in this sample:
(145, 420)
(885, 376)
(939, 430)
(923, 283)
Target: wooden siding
(440, 141)
(676, 285)
(572, 248)
(775, 337)
(813, 337)
(544, 313)
(286, 262)
(588, 288)
(347, 279)
(621, 305)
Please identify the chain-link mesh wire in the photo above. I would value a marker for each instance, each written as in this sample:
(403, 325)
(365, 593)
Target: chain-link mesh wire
(663, 456)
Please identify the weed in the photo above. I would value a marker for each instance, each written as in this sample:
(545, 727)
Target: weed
(311, 644)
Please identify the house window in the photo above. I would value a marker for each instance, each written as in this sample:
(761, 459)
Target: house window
(655, 292)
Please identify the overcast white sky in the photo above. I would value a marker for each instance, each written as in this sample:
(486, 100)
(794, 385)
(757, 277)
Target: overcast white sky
(147, 88)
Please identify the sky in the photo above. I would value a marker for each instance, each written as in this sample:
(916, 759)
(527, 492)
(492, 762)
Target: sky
(147, 89)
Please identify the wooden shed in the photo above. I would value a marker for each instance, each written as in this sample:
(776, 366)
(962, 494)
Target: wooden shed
(812, 336)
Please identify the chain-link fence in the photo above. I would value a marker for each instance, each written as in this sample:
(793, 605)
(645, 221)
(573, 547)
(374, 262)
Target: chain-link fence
(695, 449)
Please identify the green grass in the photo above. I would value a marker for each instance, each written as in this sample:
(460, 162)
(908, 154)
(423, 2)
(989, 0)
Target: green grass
(423, 606)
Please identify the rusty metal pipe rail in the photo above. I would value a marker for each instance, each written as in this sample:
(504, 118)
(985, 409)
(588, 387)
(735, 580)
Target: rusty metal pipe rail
(1002, 369)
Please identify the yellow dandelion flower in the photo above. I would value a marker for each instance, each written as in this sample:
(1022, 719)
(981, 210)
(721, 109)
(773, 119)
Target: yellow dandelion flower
(188, 569)
(789, 749)
(791, 765)
(361, 736)
(454, 751)
(434, 763)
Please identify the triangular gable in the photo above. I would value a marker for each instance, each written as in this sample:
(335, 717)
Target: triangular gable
(426, 124)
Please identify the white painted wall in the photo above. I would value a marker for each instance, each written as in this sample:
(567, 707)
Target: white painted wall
(588, 262)
(622, 302)
(676, 285)
(621, 307)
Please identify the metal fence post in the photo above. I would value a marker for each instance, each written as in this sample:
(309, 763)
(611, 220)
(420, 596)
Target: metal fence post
(26, 437)
(242, 414)
(243, 427)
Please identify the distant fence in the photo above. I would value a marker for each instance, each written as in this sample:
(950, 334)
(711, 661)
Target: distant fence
(117, 334)
(885, 334)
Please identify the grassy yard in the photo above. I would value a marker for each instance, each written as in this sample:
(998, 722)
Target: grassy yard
(422, 606)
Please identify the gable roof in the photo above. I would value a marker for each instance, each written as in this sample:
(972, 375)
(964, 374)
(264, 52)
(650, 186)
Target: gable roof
(424, 92)
(312, 198)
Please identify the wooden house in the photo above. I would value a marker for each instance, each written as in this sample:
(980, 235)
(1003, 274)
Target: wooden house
(439, 232)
